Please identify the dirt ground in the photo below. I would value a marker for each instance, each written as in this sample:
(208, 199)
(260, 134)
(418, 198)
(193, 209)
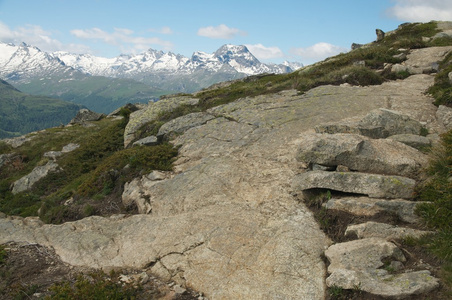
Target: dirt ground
(29, 270)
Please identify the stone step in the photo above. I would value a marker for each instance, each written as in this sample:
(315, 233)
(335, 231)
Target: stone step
(361, 154)
(359, 265)
(365, 206)
(383, 230)
(373, 185)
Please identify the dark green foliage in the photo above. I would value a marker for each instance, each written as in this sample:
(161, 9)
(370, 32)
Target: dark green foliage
(3, 254)
(437, 213)
(442, 89)
(96, 285)
(21, 113)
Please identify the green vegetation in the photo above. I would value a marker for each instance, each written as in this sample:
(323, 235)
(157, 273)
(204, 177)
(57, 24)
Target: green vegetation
(437, 213)
(96, 285)
(21, 113)
(442, 89)
(92, 175)
(100, 94)
(3, 254)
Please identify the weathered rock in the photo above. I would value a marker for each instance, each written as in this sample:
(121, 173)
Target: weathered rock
(70, 147)
(373, 185)
(358, 264)
(26, 182)
(5, 158)
(412, 140)
(449, 75)
(180, 125)
(365, 206)
(444, 115)
(19, 141)
(151, 112)
(380, 34)
(382, 123)
(129, 106)
(382, 230)
(425, 61)
(86, 115)
(336, 128)
(147, 141)
(361, 154)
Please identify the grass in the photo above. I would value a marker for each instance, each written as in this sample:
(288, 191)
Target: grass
(96, 285)
(442, 89)
(437, 212)
(91, 175)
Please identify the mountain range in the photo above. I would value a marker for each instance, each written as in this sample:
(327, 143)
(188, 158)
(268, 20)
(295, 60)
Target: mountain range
(103, 84)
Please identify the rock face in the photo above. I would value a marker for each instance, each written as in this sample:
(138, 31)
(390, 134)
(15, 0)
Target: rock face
(358, 264)
(373, 185)
(85, 115)
(225, 221)
(29, 180)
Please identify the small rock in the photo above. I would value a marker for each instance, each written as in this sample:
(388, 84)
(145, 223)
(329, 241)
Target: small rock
(412, 140)
(382, 230)
(444, 116)
(86, 115)
(70, 147)
(179, 290)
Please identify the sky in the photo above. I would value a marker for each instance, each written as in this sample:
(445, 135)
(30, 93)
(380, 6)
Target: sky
(274, 31)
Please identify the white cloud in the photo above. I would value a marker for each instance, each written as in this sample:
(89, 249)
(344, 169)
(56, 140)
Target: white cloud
(262, 52)
(421, 10)
(163, 30)
(36, 36)
(220, 32)
(318, 51)
(123, 38)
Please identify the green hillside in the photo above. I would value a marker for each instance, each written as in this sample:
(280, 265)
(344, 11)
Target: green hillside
(21, 113)
(99, 94)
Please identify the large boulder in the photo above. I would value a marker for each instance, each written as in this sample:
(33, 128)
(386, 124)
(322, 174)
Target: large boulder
(359, 265)
(361, 154)
(381, 123)
(373, 185)
(365, 206)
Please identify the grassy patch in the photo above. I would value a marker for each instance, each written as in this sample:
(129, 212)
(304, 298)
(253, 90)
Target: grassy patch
(96, 285)
(442, 89)
(437, 213)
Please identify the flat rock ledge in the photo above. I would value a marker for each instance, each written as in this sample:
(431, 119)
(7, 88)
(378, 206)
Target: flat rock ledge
(383, 230)
(359, 265)
(373, 185)
(365, 206)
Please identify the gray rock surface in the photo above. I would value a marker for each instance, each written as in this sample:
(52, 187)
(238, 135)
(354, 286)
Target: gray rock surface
(444, 115)
(373, 185)
(147, 141)
(151, 112)
(26, 182)
(226, 223)
(179, 125)
(359, 264)
(412, 140)
(382, 123)
(365, 206)
(362, 154)
(382, 230)
(85, 115)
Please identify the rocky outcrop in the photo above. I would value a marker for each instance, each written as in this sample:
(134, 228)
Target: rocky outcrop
(151, 112)
(179, 125)
(383, 230)
(85, 115)
(359, 265)
(26, 182)
(147, 141)
(225, 222)
(444, 115)
(362, 154)
(373, 185)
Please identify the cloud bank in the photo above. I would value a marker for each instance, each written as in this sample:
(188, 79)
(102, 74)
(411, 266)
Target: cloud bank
(421, 10)
(35, 35)
(220, 32)
(317, 52)
(123, 38)
(261, 52)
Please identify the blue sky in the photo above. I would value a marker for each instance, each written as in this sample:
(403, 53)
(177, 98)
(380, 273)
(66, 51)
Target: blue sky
(274, 31)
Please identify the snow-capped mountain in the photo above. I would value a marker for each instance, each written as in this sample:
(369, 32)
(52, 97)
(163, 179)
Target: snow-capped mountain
(235, 58)
(165, 71)
(22, 62)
